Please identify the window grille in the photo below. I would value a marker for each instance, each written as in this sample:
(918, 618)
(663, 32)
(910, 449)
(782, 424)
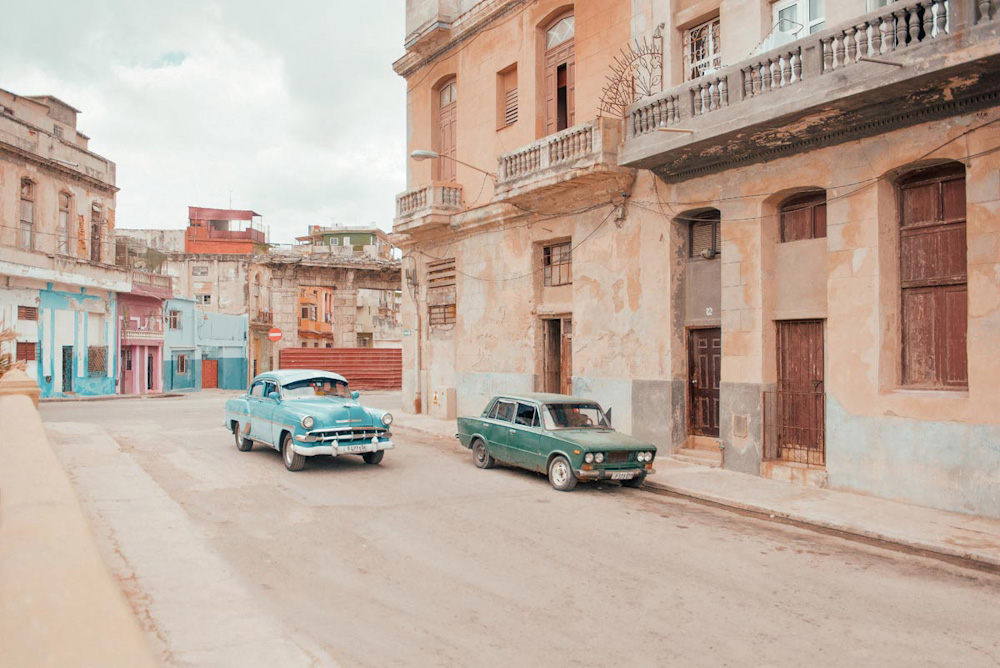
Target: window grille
(97, 360)
(702, 49)
(442, 314)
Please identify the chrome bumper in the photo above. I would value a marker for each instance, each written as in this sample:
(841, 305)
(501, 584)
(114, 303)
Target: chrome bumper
(336, 450)
(605, 474)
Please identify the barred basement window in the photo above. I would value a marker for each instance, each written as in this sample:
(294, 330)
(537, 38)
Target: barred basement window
(27, 313)
(557, 264)
(443, 314)
(26, 351)
(97, 360)
(441, 295)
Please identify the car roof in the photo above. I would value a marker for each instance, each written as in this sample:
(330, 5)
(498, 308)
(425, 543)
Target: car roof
(285, 376)
(545, 398)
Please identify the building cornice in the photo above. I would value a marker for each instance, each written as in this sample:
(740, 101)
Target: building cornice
(63, 171)
(464, 28)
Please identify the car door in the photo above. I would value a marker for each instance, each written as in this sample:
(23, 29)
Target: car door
(499, 424)
(523, 437)
(254, 395)
(261, 425)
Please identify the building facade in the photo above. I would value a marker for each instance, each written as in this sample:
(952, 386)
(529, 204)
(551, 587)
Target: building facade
(58, 282)
(346, 240)
(181, 356)
(762, 233)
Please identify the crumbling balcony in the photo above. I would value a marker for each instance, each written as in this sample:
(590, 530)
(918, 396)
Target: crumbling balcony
(146, 284)
(903, 64)
(583, 159)
(427, 207)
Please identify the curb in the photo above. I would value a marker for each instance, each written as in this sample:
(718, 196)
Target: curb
(991, 562)
(111, 397)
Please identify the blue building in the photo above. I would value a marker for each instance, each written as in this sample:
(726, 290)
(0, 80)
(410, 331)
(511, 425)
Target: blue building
(222, 344)
(181, 356)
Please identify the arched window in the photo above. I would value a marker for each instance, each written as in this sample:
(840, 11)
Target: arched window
(96, 221)
(26, 226)
(933, 276)
(446, 131)
(803, 216)
(559, 73)
(704, 235)
(62, 233)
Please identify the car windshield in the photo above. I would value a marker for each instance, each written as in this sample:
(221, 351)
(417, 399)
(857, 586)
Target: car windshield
(573, 416)
(316, 387)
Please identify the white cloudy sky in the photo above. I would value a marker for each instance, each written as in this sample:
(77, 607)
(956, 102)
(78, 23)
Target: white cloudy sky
(292, 105)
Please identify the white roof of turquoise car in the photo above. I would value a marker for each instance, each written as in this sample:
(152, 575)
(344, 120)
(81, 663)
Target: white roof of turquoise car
(286, 376)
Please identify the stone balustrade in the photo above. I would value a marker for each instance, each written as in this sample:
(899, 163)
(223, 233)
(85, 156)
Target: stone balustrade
(433, 196)
(580, 142)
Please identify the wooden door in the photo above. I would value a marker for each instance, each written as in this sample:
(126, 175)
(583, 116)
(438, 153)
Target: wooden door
(566, 358)
(800, 393)
(209, 374)
(447, 132)
(704, 373)
(560, 76)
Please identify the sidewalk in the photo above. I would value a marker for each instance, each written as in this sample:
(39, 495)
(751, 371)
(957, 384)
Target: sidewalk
(942, 533)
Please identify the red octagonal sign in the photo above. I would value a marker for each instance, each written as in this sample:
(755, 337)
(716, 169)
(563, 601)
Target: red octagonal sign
(274, 334)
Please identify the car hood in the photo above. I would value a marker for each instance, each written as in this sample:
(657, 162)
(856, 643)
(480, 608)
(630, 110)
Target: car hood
(335, 413)
(600, 439)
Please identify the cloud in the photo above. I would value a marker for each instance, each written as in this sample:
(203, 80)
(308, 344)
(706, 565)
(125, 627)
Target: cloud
(291, 106)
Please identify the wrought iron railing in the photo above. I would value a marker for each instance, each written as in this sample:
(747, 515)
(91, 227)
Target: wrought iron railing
(795, 427)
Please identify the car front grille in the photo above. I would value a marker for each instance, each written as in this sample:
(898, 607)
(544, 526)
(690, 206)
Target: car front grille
(618, 457)
(348, 435)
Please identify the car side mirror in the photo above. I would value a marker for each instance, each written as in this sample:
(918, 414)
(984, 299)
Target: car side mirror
(276, 396)
(355, 394)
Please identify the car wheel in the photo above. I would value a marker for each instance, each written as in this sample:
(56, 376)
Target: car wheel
(635, 482)
(481, 455)
(561, 474)
(242, 444)
(293, 460)
(373, 457)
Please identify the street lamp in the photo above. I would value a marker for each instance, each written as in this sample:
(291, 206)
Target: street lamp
(423, 154)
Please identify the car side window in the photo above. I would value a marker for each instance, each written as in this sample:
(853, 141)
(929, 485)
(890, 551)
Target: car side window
(257, 390)
(270, 387)
(526, 415)
(505, 411)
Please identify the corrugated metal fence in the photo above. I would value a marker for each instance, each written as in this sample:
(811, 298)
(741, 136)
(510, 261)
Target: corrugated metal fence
(364, 368)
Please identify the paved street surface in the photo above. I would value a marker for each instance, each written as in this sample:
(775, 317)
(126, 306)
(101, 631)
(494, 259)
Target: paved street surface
(230, 560)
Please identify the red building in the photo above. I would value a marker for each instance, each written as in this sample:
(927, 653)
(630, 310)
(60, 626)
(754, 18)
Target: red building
(226, 231)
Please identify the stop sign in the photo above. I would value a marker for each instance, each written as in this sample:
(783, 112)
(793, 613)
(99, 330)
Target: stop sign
(274, 334)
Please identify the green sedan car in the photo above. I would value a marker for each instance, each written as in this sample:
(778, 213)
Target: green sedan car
(568, 438)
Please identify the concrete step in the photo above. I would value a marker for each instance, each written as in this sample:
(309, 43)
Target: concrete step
(700, 457)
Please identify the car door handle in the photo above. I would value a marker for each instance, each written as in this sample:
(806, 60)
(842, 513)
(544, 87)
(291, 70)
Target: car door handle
(513, 431)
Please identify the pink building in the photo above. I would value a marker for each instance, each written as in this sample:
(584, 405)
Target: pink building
(140, 333)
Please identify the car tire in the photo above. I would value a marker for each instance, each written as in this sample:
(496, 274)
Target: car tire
(636, 482)
(481, 455)
(373, 457)
(561, 475)
(242, 444)
(293, 460)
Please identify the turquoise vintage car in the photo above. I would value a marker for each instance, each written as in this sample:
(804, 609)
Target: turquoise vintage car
(568, 438)
(304, 413)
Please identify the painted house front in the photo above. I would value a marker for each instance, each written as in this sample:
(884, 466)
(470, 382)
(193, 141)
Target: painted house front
(141, 333)
(181, 356)
(222, 346)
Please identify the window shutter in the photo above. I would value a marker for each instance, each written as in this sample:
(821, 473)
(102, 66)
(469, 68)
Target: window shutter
(702, 237)
(27, 313)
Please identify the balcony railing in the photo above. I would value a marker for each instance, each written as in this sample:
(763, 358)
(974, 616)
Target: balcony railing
(152, 285)
(263, 317)
(429, 205)
(724, 101)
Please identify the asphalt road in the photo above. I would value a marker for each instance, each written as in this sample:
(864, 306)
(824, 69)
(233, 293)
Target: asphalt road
(230, 560)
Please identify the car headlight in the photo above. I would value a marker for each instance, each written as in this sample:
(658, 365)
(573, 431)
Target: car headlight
(387, 419)
(589, 458)
(649, 456)
(641, 456)
(599, 458)
(308, 422)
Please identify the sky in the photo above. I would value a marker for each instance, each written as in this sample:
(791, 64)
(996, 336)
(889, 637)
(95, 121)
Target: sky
(293, 106)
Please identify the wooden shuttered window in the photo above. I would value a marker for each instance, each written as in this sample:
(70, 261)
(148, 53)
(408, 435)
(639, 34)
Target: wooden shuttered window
(804, 217)
(507, 97)
(27, 313)
(441, 307)
(27, 351)
(933, 279)
(704, 235)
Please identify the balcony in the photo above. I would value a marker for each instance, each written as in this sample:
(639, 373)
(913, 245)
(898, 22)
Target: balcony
(262, 319)
(427, 207)
(583, 158)
(146, 284)
(824, 89)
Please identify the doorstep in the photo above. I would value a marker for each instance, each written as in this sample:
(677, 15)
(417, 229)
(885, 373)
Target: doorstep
(944, 533)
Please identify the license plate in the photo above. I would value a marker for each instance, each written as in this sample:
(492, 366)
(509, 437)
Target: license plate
(354, 448)
(623, 475)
